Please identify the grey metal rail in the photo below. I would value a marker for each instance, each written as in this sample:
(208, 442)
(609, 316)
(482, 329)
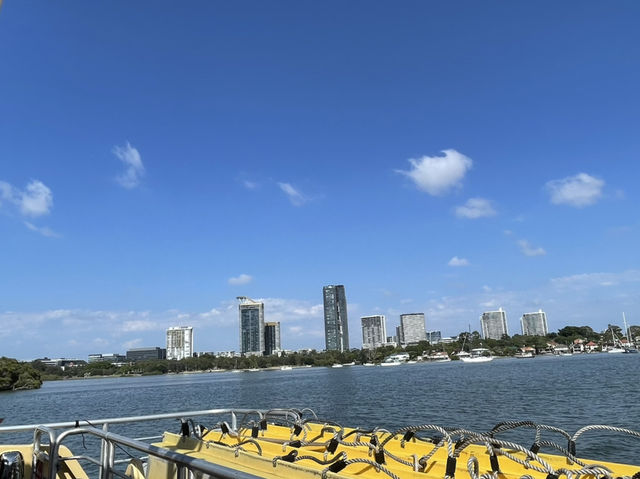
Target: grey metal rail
(55, 433)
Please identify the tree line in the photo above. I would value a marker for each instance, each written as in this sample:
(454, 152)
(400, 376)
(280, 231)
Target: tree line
(17, 375)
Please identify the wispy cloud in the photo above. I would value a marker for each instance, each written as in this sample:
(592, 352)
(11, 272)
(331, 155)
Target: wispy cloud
(436, 175)
(577, 191)
(240, 279)
(476, 208)
(43, 230)
(295, 196)
(529, 250)
(455, 262)
(250, 185)
(134, 169)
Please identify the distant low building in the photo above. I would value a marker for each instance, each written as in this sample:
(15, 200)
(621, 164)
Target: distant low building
(434, 337)
(146, 354)
(107, 357)
(63, 362)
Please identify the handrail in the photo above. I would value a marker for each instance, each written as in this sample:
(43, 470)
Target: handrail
(181, 460)
(151, 417)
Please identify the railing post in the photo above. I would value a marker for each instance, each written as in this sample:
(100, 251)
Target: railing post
(104, 455)
(234, 421)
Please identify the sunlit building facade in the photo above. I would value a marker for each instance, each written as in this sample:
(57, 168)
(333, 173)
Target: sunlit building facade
(179, 342)
(374, 331)
(494, 324)
(534, 324)
(412, 328)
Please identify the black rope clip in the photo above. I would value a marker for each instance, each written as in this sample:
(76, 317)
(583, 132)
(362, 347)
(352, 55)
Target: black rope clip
(297, 429)
(291, 457)
(338, 466)
(332, 446)
(379, 456)
(451, 467)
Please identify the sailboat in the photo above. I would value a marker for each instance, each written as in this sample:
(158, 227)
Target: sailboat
(630, 348)
(617, 346)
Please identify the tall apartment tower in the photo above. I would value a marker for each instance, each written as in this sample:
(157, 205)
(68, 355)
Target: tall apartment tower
(336, 324)
(494, 324)
(374, 331)
(271, 338)
(534, 324)
(179, 342)
(412, 328)
(251, 326)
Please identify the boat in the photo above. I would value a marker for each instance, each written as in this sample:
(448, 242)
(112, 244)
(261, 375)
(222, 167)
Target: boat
(390, 363)
(336, 365)
(525, 353)
(290, 443)
(286, 368)
(438, 357)
(369, 364)
(477, 355)
(630, 347)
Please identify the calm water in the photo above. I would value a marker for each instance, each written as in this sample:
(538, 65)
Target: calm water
(568, 392)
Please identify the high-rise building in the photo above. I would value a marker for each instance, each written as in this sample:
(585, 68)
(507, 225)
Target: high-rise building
(374, 331)
(272, 338)
(336, 324)
(179, 342)
(251, 326)
(412, 328)
(494, 324)
(534, 324)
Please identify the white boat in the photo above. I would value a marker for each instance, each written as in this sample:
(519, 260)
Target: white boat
(368, 364)
(390, 363)
(522, 354)
(285, 368)
(478, 355)
(439, 357)
(336, 365)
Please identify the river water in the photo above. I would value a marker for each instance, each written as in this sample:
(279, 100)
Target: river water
(568, 392)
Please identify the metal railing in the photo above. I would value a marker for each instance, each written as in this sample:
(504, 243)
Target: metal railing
(54, 434)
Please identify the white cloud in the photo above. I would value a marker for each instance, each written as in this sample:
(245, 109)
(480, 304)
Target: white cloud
(240, 280)
(578, 191)
(43, 230)
(455, 261)
(134, 169)
(295, 197)
(35, 200)
(139, 325)
(529, 250)
(436, 175)
(475, 208)
(250, 185)
(134, 343)
(593, 280)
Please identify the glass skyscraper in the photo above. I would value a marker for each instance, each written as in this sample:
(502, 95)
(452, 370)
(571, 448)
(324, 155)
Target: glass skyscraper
(251, 326)
(271, 338)
(336, 324)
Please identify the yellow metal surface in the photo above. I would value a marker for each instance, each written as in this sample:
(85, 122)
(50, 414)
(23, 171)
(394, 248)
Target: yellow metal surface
(237, 453)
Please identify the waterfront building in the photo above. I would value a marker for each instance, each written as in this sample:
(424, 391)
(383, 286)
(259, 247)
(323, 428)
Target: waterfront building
(146, 354)
(336, 323)
(251, 326)
(412, 328)
(434, 337)
(374, 331)
(534, 324)
(112, 358)
(272, 338)
(494, 324)
(179, 342)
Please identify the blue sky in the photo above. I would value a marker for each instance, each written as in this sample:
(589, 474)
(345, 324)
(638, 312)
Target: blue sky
(158, 159)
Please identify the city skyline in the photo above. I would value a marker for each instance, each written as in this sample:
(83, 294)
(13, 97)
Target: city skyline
(435, 157)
